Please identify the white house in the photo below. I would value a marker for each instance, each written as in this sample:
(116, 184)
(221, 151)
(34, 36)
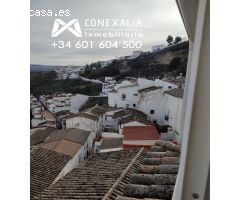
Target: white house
(160, 100)
(89, 120)
(83, 121)
(64, 102)
(163, 107)
(125, 94)
(165, 84)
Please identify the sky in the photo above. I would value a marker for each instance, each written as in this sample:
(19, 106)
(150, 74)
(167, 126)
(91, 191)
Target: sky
(159, 19)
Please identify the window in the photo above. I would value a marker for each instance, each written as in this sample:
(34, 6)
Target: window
(154, 121)
(169, 87)
(135, 94)
(123, 96)
(127, 105)
(152, 112)
(134, 105)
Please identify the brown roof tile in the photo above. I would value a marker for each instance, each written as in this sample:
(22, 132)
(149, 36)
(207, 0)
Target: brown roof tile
(91, 179)
(74, 135)
(109, 143)
(40, 135)
(67, 147)
(128, 112)
(45, 166)
(140, 133)
(143, 181)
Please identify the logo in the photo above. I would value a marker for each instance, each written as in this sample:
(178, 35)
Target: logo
(75, 30)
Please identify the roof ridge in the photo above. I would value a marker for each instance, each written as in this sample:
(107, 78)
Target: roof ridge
(123, 175)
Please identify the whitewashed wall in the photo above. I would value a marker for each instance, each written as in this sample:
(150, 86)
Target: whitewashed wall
(77, 101)
(85, 124)
(165, 85)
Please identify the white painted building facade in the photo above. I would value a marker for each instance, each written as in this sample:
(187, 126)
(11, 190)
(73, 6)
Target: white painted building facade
(125, 94)
(160, 107)
(85, 123)
(64, 102)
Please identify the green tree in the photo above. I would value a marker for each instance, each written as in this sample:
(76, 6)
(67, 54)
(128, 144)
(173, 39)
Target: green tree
(170, 40)
(177, 39)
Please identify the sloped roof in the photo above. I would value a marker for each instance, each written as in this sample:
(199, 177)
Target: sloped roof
(140, 133)
(82, 114)
(63, 146)
(67, 142)
(91, 179)
(175, 92)
(40, 135)
(99, 110)
(109, 143)
(142, 120)
(129, 111)
(45, 166)
(149, 89)
(153, 177)
(74, 135)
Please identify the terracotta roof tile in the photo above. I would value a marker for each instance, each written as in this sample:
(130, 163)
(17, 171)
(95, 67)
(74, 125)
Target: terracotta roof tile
(67, 141)
(67, 147)
(140, 133)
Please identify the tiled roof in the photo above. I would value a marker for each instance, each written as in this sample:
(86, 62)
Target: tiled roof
(175, 92)
(99, 110)
(142, 120)
(67, 142)
(74, 135)
(140, 133)
(109, 143)
(149, 89)
(153, 177)
(62, 113)
(91, 179)
(40, 135)
(45, 166)
(63, 146)
(82, 114)
(128, 112)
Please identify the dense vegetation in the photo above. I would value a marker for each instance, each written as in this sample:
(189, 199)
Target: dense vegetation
(148, 65)
(46, 83)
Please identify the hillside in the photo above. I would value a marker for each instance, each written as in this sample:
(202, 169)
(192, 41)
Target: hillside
(169, 61)
(46, 83)
(42, 68)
